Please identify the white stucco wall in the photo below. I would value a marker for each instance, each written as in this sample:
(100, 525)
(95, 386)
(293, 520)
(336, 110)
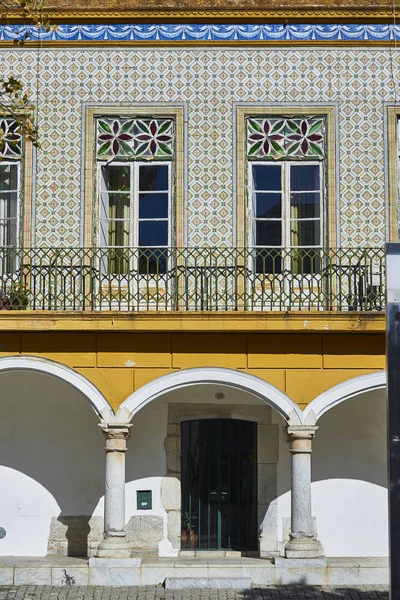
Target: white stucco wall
(349, 493)
(51, 459)
(52, 465)
(145, 459)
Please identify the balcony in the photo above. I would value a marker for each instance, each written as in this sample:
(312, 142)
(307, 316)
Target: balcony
(192, 279)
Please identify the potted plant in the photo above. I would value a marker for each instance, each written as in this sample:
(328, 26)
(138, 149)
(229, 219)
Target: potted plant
(14, 297)
(189, 537)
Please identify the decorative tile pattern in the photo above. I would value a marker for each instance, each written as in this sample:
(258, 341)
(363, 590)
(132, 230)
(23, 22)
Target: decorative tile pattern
(151, 33)
(210, 81)
(294, 138)
(10, 138)
(135, 138)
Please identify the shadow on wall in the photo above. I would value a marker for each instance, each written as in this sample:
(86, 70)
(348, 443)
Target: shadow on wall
(51, 466)
(351, 441)
(349, 477)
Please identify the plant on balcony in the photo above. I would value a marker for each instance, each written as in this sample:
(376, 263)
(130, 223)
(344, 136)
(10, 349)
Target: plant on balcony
(14, 297)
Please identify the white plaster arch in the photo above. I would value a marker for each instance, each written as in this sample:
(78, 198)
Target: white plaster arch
(341, 392)
(210, 375)
(55, 369)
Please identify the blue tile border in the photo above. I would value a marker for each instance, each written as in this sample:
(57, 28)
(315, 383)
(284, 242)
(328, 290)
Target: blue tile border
(151, 33)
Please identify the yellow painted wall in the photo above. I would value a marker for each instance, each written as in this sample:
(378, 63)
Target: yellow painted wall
(301, 364)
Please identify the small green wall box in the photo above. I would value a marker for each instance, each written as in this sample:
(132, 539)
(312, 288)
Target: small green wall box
(144, 499)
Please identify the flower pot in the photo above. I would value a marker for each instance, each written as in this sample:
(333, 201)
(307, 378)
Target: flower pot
(194, 538)
(184, 538)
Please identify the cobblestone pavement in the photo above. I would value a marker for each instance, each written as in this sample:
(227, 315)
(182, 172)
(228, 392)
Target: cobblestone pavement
(364, 592)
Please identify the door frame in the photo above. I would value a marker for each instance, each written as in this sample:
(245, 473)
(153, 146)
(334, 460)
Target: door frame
(267, 459)
(209, 462)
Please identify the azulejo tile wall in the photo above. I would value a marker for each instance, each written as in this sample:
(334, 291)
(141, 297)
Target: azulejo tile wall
(209, 81)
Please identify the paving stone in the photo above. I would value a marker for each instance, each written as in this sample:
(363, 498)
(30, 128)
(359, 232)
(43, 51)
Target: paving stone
(272, 592)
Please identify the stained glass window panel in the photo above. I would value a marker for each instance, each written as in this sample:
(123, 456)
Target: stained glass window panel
(135, 138)
(298, 138)
(10, 139)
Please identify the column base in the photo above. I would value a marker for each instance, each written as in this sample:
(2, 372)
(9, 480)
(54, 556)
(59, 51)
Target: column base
(304, 547)
(114, 547)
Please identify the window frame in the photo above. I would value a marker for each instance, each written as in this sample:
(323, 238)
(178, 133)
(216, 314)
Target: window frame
(18, 212)
(90, 208)
(285, 191)
(134, 218)
(331, 181)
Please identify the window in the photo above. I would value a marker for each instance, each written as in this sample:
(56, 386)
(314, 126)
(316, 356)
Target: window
(135, 193)
(10, 165)
(285, 177)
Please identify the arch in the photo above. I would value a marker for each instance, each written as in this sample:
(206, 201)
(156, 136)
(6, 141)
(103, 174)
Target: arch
(210, 375)
(50, 367)
(341, 392)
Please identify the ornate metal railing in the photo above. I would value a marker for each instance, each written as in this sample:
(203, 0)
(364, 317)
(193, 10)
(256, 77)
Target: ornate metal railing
(192, 279)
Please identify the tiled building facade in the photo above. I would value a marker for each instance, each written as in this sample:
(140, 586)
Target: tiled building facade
(197, 251)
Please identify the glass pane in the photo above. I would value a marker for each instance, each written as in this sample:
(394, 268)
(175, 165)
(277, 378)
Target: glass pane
(153, 261)
(116, 232)
(306, 261)
(268, 205)
(3, 232)
(268, 260)
(8, 232)
(153, 233)
(153, 206)
(267, 177)
(153, 178)
(8, 177)
(304, 206)
(8, 204)
(119, 205)
(117, 261)
(304, 177)
(268, 233)
(12, 233)
(305, 233)
(115, 178)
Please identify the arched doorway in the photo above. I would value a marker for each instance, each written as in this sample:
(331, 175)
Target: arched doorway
(160, 413)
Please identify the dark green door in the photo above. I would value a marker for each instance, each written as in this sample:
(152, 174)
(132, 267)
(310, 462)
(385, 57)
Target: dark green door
(219, 485)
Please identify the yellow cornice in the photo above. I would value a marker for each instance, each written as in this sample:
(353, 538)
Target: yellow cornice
(305, 322)
(288, 15)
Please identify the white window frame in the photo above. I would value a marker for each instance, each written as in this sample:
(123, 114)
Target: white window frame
(10, 263)
(134, 201)
(285, 165)
(143, 280)
(16, 163)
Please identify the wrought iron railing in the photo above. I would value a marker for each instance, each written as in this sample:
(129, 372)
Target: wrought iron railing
(192, 279)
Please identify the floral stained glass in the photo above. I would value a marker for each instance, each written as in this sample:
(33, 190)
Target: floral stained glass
(135, 138)
(279, 138)
(10, 138)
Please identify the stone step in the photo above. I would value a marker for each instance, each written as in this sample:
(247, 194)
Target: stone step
(189, 583)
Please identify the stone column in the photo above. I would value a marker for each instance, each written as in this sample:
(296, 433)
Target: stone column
(303, 543)
(114, 543)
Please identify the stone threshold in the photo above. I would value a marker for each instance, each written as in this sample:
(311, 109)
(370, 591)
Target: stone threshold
(71, 571)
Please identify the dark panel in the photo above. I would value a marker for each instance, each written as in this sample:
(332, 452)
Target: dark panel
(219, 485)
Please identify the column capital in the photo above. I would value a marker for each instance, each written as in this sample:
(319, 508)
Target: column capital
(116, 436)
(300, 438)
(305, 432)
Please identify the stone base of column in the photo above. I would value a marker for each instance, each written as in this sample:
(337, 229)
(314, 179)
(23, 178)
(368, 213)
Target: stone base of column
(114, 547)
(304, 547)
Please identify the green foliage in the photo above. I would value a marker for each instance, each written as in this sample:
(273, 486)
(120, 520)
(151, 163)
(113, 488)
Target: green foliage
(15, 297)
(14, 100)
